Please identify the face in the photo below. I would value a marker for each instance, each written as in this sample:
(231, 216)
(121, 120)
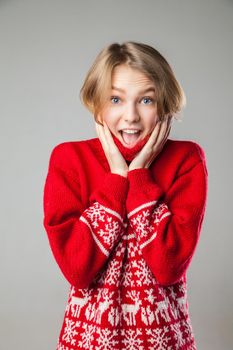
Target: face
(131, 109)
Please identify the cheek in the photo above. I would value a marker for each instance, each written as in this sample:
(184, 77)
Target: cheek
(111, 117)
(150, 119)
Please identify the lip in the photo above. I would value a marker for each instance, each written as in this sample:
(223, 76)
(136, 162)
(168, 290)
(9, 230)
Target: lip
(130, 129)
(134, 144)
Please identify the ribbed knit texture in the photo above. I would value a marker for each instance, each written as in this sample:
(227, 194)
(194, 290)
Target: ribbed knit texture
(125, 244)
(130, 153)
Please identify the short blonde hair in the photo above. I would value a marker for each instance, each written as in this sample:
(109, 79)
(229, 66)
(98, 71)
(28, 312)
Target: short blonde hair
(97, 84)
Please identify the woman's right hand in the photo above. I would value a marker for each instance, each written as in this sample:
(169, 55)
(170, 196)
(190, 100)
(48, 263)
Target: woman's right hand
(115, 159)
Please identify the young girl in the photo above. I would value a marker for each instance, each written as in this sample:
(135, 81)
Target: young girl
(123, 211)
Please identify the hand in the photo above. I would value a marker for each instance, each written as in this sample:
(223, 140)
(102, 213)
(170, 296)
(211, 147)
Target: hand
(115, 159)
(153, 146)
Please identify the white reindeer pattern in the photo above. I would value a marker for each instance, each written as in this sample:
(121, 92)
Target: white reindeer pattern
(77, 303)
(104, 305)
(131, 309)
(162, 310)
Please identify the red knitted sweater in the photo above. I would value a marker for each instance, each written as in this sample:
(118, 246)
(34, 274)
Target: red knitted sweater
(125, 244)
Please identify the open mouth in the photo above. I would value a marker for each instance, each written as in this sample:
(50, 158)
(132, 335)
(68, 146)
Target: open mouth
(130, 139)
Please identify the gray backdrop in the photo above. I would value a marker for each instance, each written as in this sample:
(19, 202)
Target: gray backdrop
(46, 48)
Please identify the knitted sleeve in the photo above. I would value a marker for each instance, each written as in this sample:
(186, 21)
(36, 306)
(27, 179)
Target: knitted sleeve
(167, 226)
(81, 239)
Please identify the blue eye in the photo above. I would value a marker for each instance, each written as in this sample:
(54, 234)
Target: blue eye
(115, 99)
(148, 99)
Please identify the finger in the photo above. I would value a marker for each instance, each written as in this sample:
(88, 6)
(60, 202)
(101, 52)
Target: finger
(98, 119)
(108, 135)
(161, 133)
(106, 129)
(102, 136)
(169, 125)
(168, 131)
(163, 130)
(153, 137)
(165, 138)
(97, 128)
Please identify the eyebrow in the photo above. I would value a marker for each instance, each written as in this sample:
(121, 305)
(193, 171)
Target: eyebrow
(149, 89)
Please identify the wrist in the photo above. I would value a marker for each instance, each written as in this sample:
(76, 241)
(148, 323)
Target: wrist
(121, 173)
(135, 167)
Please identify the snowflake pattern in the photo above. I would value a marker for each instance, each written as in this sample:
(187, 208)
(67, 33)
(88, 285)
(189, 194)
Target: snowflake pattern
(113, 273)
(158, 338)
(69, 331)
(105, 224)
(178, 335)
(107, 339)
(143, 273)
(87, 336)
(110, 231)
(145, 221)
(96, 214)
(131, 339)
(141, 223)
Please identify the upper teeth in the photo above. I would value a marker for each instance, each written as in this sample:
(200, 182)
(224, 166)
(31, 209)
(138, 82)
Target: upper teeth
(131, 131)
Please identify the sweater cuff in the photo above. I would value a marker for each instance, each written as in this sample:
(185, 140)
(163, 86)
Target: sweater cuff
(112, 193)
(142, 188)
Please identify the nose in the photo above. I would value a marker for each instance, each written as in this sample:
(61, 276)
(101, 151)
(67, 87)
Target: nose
(131, 114)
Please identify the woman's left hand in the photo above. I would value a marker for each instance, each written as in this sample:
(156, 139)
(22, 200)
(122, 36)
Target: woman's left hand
(153, 146)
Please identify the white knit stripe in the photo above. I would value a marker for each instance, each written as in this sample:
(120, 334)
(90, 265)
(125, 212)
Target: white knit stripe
(145, 205)
(149, 240)
(164, 215)
(104, 251)
(110, 211)
(155, 234)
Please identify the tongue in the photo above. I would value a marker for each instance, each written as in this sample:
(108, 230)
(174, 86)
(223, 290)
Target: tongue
(130, 139)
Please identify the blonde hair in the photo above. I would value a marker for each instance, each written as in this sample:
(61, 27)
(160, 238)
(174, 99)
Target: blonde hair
(97, 84)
